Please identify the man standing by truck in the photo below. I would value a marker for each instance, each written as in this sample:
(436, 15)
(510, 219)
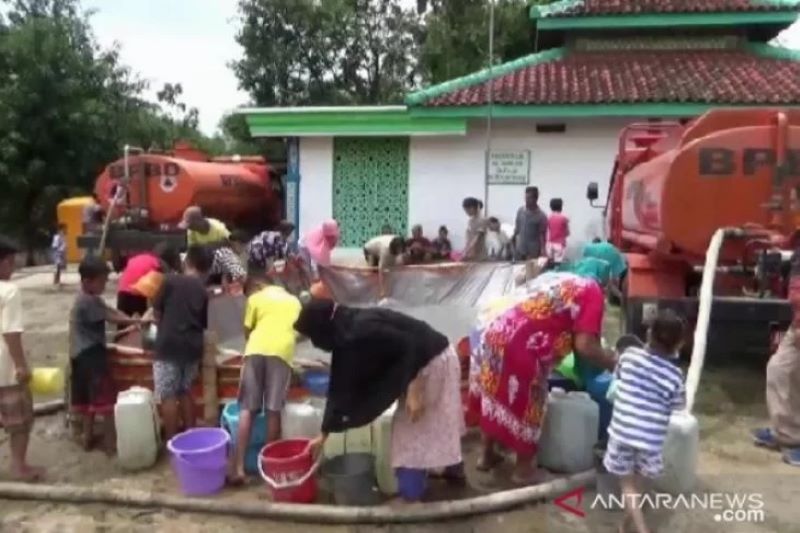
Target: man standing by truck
(202, 230)
(530, 230)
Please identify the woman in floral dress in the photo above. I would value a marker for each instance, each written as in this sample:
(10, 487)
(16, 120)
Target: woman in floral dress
(520, 344)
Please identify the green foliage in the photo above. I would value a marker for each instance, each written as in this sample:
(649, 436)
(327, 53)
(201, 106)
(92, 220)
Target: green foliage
(348, 52)
(335, 52)
(456, 40)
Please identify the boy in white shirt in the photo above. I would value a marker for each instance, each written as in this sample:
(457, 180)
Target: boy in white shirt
(498, 244)
(16, 404)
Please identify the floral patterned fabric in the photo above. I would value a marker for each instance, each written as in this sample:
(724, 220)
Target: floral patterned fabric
(523, 339)
(266, 248)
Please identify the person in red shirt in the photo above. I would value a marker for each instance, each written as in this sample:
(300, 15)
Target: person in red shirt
(557, 232)
(419, 247)
(163, 258)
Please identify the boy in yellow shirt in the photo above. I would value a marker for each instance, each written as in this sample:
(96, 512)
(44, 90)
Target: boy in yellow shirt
(269, 326)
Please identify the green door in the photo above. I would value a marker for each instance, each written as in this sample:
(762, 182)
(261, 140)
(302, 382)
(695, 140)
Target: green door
(370, 187)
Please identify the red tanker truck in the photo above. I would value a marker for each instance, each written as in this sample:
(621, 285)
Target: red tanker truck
(674, 185)
(154, 189)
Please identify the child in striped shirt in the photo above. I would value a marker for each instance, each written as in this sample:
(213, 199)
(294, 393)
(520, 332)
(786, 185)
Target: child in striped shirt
(649, 388)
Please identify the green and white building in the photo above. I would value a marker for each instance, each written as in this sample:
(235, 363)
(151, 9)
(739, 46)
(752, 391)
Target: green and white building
(556, 115)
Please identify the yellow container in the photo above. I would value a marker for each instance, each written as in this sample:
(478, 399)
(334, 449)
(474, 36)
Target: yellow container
(70, 213)
(47, 381)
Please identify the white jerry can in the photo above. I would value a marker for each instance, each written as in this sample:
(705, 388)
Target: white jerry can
(569, 432)
(302, 420)
(680, 454)
(137, 425)
(382, 449)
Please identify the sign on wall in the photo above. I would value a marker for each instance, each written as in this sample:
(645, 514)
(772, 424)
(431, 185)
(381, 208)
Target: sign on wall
(509, 167)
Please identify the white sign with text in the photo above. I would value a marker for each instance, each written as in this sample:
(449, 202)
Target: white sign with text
(509, 167)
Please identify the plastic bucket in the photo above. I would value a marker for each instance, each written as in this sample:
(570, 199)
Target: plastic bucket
(199, 460)
(288, 469)
(316, 382)
(229, 421)
(411, 483)
(352, 479)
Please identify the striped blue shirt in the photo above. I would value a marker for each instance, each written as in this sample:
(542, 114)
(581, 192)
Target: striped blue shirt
(649, 388)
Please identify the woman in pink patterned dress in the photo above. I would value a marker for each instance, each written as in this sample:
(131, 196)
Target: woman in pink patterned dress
(518, 348)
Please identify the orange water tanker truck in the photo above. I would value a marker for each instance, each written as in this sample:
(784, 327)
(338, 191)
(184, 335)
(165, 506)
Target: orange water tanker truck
(673, 186)
(154, 189)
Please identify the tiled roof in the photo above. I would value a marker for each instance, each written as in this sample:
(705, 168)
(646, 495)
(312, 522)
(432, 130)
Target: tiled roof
(566, 8)
(630, 77)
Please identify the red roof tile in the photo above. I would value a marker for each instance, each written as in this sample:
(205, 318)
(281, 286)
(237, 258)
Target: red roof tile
(637, 7)
(632, 77)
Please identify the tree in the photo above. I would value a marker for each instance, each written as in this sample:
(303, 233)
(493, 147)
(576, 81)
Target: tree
(299, 52)
(456, 36)
(66, 108)
(59, 97)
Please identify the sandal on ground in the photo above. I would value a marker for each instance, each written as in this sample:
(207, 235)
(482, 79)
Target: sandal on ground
(791, 456)
(764, 438)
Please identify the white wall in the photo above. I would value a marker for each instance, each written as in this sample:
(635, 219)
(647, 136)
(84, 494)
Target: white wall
(445, 170)
(316, 182)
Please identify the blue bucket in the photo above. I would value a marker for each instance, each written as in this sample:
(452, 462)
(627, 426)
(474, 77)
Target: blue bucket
(316, 382)
(229, 421)
(411, 483)
(597, 387)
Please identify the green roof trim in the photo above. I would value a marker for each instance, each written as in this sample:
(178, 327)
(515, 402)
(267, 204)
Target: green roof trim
(347, 121)
(579, 110)
(773, 52)
(662, 20)
(483, 76)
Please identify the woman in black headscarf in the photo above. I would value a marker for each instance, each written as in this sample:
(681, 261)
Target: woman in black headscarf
(379, 356)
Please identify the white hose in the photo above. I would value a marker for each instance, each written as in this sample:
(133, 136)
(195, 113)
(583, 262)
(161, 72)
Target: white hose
(703, 316)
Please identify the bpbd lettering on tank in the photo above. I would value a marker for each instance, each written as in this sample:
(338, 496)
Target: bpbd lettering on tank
(723, 162)
(149, 169)
(156, 170)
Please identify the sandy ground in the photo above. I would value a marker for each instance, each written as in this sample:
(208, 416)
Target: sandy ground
(730, 403)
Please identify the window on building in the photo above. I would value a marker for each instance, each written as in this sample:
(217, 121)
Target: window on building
(551, 128)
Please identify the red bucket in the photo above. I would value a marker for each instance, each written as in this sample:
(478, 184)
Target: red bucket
(288, 469)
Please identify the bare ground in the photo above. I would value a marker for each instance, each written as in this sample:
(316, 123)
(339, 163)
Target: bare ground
(729, 404)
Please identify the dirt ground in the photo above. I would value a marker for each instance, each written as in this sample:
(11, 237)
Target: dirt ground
(730, 403)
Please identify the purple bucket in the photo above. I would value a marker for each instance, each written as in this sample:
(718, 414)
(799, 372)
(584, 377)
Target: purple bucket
(199, 460)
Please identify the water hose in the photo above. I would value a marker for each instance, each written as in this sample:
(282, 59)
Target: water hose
(304, 513)
(704, 314)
